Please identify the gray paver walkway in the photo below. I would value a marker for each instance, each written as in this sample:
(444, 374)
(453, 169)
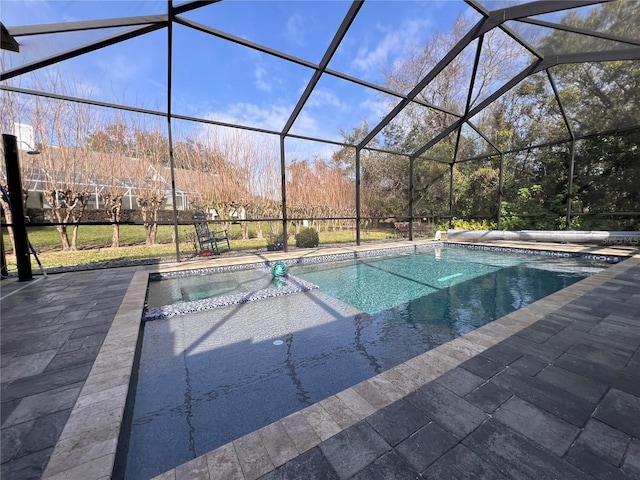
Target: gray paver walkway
(52, 329)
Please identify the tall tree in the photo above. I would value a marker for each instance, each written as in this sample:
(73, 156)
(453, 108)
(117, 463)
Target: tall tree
(151, 186)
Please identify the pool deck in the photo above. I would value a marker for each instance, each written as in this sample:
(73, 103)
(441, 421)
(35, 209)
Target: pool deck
(549, 391)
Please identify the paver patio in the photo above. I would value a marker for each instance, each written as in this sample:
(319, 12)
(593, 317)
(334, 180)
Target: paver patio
(551, 391)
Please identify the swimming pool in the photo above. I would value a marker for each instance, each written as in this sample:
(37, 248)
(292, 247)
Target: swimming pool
(213, 376)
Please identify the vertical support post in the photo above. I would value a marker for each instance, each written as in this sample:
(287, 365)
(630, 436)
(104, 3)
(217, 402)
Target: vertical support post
(283, 180)
(450, 196)
(411, 192)
(172, 162)
(358, 216)
(570, 182)
(500, 184)
(14, 183)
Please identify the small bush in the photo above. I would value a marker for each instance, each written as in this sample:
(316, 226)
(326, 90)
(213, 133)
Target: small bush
(307, 238)
(460, 224)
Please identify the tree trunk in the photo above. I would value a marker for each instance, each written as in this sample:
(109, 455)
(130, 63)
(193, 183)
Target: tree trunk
(64, 237)
(9, 219)
(115, 239)
(259, 233)
(153, 230)
(8, 215)
(153, 233)
(113, 206)
(245, 230)
(74, 238)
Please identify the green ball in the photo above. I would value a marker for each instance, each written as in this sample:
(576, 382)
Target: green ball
(279, 269)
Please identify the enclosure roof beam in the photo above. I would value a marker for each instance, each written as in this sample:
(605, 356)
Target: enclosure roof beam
(540, 7)
(526, 45)
(241, 41)
(533, 68)
(326, 58)
(388, 91)
(89, 47)
(472, 82)
(192, 5)
(156, 113)
(616, 131)
(487, 139)
(66, 27)
(560, 105)
(494, 19)
(478, 29)
(7, 40)
(617, 55)
(299, 61)
(581, 31)
(86, 101)
(591, 57)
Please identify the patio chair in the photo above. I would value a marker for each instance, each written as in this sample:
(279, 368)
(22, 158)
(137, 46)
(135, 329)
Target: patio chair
(208, 241)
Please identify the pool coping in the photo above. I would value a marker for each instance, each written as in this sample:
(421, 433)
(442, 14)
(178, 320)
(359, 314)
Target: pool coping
(88, 444)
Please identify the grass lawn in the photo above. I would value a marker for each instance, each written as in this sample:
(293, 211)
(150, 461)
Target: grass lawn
(95, 244)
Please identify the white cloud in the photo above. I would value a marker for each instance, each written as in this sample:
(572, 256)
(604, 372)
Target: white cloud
(273, 118)
(322, 97)
(119, 67)
(393, 43)
(295, 29)
(377, 109)
(261, 76)
(249, 114)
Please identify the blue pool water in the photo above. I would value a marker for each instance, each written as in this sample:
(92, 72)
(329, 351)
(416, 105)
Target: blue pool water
(206, 379)
(377, 284)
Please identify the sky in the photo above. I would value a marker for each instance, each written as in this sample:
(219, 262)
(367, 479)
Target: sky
(216, 79)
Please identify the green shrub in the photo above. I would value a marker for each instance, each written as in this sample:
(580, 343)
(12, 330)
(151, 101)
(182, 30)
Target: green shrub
(307, 238)
(460, 224)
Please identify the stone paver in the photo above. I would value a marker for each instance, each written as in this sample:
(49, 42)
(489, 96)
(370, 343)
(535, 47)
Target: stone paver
(353, 449)
(300, 431)
(462, 464)
(560, 380)
(253, 456)
(543, 428)
(437, 403)
(619, 410)
(223, 464)
(517, 456)
(460, 381)
(488, 397)
(397, 421)
(604, 441)
(631, 462)
(426, 445)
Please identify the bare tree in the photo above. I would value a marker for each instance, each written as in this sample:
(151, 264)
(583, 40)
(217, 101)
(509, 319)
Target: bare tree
(66, 173)
(151, 149)
(15, 110)
(112, 150)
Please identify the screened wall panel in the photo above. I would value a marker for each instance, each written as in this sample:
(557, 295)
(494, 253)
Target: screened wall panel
(605, 193)
(535, 191)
